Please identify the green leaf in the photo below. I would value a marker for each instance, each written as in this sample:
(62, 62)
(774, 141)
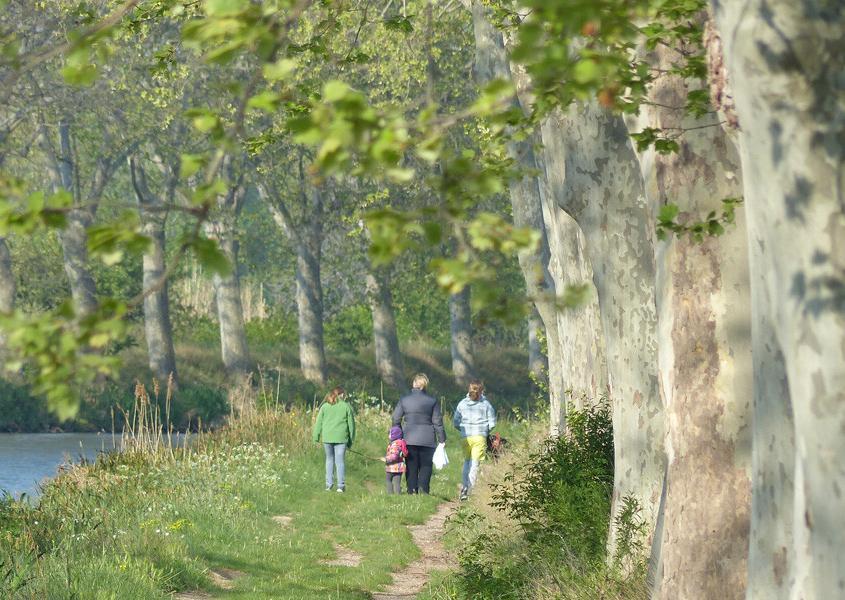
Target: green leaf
(82, 75)
(280, 69)
(335, 90)
(210, 256)
(266, 101)
(226, 8)
(205, 122)
(398, 23)
(190, 164)
(668, 212)
(585, 71)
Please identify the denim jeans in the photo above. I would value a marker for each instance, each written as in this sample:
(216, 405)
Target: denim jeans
(334, 460)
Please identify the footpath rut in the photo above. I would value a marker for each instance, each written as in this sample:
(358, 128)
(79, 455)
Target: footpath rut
(406, 583)
(410, 581)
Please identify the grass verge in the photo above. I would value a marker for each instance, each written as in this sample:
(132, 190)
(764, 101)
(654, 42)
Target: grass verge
(146, 525)
(535, 527)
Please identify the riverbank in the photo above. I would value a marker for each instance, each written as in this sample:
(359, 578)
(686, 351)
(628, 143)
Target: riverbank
(247, 501)
(201, 397)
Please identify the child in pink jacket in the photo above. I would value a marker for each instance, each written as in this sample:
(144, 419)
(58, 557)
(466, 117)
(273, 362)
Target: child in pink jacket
(394, 460)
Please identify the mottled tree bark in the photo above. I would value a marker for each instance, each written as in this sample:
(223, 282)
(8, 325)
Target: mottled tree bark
(8, 289)
(157, 327)
(385, 338)
(74, 237)
(603, 192)
(309, 301)
(460, 317)
(703, 303)
(537, 363)
(785, 63)
(492, 62)
(64, 175)
(307, 238)
(227, 286)
(580, 340)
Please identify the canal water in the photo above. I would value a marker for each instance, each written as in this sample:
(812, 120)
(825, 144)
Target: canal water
(27, 459)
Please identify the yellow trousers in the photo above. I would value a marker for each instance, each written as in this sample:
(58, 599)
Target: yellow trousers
(475, 447)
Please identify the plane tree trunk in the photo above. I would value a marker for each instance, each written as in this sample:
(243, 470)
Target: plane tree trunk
(157, 327)
(227, 286)
(703, 312)
(306, 235)
(785, 63)
(603, 192)
(385, 338)
(460, 318)
(491, 62)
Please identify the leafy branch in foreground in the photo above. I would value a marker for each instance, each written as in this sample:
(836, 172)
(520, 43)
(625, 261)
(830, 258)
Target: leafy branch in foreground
(711, 226)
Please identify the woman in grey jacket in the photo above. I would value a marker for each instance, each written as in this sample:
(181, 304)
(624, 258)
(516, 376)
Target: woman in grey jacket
(423, 429)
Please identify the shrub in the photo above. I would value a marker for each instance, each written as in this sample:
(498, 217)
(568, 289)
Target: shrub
(194, 403)
(350, 328)
(20, 411)
(281, 329)
(541, 533)
(563, 492)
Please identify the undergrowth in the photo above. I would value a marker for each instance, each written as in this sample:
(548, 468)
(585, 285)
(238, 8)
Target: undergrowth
(536, 528)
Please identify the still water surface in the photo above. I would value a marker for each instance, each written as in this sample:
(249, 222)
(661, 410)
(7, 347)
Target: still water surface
(26, 459)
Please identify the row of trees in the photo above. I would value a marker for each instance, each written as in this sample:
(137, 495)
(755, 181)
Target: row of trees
(674, 173)
(721, 346)
(124, 142)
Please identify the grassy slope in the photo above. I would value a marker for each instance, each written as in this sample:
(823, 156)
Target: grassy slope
(132, 528)
(503, 369)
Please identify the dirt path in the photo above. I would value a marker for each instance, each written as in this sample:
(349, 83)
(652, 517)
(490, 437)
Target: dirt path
(406, 583)
(410, 581)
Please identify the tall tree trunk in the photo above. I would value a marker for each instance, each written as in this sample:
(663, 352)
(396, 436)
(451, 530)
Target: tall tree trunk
(704, 306)
(74, 240)
(460, 317)
(580, 340)
(157, 327)
(604, 193)
(8, 289)
(309, 301)
(227, 287)
(74, 236)
(385, 338)
(491, 62)
(538, 365)
(307, 237)
(785, 64)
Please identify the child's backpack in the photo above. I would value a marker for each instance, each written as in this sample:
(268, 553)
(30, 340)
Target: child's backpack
(394, 453)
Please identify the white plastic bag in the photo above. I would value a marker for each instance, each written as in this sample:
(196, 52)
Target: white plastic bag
(440, 459)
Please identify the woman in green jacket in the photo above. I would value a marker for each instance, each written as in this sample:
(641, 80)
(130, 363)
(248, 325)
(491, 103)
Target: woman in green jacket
(335, 426)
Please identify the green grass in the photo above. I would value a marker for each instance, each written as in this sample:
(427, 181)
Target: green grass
(203, 385)
(143, 526)
(535, 528)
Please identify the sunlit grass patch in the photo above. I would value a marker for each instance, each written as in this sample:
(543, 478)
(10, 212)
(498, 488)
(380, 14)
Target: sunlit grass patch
(144, 524)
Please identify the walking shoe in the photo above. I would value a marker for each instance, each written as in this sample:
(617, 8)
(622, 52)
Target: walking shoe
(339, 490)
(464, 494)
(328, 488)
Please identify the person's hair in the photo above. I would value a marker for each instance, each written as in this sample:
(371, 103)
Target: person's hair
(420, 381)
(476, 388)
(333, 395)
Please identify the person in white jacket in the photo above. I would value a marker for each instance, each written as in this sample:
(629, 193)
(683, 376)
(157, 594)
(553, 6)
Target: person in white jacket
(474, 417)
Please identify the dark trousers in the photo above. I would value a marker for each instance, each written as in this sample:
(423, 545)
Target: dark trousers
(394, 482)
(418, 466)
